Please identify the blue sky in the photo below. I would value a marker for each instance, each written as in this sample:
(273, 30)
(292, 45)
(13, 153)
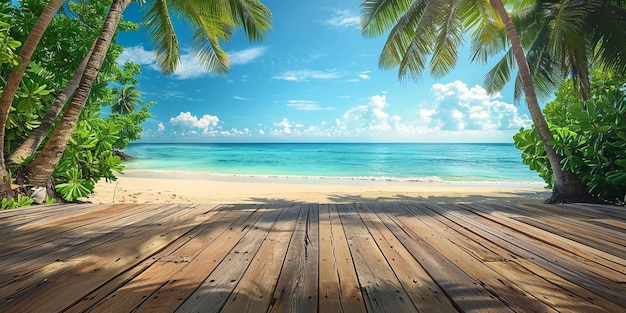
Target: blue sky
(315, 78)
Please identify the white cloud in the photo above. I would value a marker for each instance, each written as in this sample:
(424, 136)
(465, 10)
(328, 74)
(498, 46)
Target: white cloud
(285, 127)
(364, 75)
(457, 113)
(160, 127)
(206, 123)
(306, 105)
(461, 108)
(189, 66)
(305, 75)
(344, 18)
(241, 98)
(136, 54)
(246, 56)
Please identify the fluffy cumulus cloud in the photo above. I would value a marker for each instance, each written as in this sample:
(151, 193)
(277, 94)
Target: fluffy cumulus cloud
(455, 113)
(136, 54)
(371, 119)
(459, 113)
(285, 127)
(459, 108)
(207, 123)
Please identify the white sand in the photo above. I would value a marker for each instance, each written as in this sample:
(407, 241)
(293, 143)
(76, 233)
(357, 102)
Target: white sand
(178, 188)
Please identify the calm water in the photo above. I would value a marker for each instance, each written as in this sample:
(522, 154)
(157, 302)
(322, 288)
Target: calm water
(379, 161)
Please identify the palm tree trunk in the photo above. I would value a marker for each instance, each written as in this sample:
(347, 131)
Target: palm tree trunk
(13, 83)
(31, 144)
(566, 187)
(39, 171)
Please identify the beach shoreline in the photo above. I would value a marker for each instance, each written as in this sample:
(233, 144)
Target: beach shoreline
(172, 187)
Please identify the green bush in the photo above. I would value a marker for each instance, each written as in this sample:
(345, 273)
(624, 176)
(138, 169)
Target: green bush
(591, 135)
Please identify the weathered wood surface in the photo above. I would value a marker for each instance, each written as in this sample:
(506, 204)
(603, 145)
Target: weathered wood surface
(307, 257)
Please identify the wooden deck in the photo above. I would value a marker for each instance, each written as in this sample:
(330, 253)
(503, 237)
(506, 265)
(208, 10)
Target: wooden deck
(297, 257)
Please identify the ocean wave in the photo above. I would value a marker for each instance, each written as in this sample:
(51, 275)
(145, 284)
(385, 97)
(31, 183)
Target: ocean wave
(425, 179)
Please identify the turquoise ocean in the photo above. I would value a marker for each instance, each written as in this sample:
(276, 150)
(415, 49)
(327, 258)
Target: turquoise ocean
(404, 162)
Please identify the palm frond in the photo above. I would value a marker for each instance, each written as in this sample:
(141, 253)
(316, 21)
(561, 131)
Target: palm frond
(568, 20)
(160, 30)
(500, 74)
(399, 41)
(378, 16)
(253, 16)
(209, 52)
(576, 57)
(448, 40)
(608, 38)
(546, 70)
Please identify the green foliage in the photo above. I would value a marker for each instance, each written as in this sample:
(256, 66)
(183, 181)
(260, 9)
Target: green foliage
(590, 135)
(130, 125)
(88, 158)
(8, 45)
(20, 201)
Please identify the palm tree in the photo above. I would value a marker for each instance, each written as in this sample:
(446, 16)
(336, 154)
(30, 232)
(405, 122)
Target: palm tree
(34, 140)
(129, 99)
(212, 20)
(566, 187)
(567, 39)
(564, 38)
(13, 82)
(421, 29)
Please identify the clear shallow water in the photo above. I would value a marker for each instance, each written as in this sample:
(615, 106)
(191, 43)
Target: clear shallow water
(357, 161)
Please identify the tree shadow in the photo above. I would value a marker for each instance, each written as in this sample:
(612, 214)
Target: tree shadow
(167, 259)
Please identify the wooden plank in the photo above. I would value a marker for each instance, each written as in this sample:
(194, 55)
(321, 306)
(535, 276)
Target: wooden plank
(296, 290)
(569, 288)
(467, 293)
(425, 294)
(572, 288)
(217, 287)
(16, 218)
(254, 293)
(615, 212)
(599, 237)
(104, 262)
(529, 284)
(33, 235)
(545, 290)
(536, 251)
(338, 282)
(615, 266)
(611, 225)
(186, 280)
(382, 291)
(81, 238)
(589, 235)
(165, 264)
(432, 232)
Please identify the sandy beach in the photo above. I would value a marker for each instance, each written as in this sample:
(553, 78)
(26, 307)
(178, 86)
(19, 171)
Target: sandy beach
(180, 188)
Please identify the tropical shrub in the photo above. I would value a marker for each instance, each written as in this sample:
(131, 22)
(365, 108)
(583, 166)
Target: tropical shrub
(591, 135)
(88, 157)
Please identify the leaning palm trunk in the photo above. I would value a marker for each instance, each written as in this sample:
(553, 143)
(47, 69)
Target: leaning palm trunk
(13, 83)
(31, 144)
(39, 171)
(566, 187)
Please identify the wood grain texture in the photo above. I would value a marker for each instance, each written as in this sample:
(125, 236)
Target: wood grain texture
(310, 257)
